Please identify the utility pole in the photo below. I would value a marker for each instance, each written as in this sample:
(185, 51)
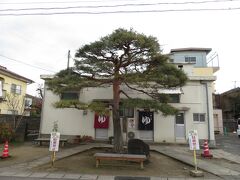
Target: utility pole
(235, 84)
(68, 59)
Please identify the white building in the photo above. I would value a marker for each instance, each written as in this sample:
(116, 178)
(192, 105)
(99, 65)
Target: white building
(194, 102)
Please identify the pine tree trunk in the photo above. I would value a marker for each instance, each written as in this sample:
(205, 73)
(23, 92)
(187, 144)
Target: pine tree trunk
(117, 130)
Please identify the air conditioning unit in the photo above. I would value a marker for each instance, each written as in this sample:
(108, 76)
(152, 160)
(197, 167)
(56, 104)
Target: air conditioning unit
(131, 135)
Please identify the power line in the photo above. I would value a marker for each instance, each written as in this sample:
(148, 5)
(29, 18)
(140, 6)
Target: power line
(121, 12)
(119, 5)
(54, 2)
(64, 2)
(26, 63)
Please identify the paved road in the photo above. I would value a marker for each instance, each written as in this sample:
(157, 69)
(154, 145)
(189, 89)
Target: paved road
(229, 143)
(24, 178)
(126, 178)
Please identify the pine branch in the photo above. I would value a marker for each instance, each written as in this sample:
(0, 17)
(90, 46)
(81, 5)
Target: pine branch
(121, 91)
(139, 90)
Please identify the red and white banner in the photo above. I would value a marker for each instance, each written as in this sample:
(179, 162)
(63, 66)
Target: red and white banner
(101, 121)
(54, 141)
(193, 140)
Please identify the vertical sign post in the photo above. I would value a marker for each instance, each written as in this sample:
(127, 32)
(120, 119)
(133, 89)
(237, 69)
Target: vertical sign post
(54, 145)
(194, 145)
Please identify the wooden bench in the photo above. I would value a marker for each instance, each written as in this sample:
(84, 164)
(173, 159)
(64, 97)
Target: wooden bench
(41, 140)
(120, 157)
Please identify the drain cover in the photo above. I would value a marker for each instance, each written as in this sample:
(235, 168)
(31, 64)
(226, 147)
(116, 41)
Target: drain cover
(130, 178)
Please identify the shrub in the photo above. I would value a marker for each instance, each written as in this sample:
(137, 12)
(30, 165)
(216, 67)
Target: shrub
(6, 132)
(86, 138)
(83, 138)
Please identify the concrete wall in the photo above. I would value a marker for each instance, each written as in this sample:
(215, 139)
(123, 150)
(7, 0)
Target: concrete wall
(203, 71)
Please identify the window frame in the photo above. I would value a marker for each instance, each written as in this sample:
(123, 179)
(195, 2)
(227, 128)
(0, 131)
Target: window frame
(1, 88)
(181, 118)
(172, 98)
(126, 112)
(70, 98)
(199, 117)
(28, 102)
(190, 59)
(16, 89)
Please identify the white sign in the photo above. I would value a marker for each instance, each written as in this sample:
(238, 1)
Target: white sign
(54, 141)
(131, 123)
(193, 140)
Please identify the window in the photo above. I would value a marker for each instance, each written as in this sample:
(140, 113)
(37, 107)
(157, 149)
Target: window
(2, 91)
(16, 89)
(180, 118)
(28, 102)
(190, 59)
(174, 98)
(198, 117)
(70, 96)
(126, 112)
(1, 88)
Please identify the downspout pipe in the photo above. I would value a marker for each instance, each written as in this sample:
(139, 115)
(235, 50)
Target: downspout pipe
(207, 99)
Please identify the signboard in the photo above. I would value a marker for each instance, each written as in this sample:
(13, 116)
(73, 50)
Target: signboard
(101, 121)
(54, 141)
(145, 120)
(193, 140)
(131, 123)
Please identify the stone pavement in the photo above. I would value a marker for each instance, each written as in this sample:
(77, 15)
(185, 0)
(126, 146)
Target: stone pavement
(180, 153)
(184, 155)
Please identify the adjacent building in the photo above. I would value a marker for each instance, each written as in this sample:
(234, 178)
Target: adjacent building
(230, 104)
(217, 114)
(194, 102)
(14, 86)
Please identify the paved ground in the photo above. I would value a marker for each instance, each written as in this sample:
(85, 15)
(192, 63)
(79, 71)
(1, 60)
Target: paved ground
(229, 143)
(182, 153)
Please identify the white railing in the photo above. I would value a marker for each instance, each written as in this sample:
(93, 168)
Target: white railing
(213, 60)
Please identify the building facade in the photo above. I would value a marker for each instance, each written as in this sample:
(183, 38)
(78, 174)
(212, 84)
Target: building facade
(13, 87)
(194, 102)
(230, 105)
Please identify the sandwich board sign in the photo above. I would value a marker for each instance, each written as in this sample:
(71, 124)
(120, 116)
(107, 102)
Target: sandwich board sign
(193, 140)
(54, 141)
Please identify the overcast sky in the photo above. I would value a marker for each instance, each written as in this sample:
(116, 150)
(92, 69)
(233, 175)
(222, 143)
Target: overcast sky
(36, 44)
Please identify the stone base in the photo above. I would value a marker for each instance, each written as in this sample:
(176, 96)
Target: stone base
(196, 173)
(209, 156)
(5, 157)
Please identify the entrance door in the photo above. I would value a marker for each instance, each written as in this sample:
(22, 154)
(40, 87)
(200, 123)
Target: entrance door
(180, 126)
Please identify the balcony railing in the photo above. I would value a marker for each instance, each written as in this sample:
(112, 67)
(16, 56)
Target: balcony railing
(213, 61)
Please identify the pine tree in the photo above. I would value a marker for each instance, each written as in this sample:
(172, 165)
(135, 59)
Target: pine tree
(123, 58)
